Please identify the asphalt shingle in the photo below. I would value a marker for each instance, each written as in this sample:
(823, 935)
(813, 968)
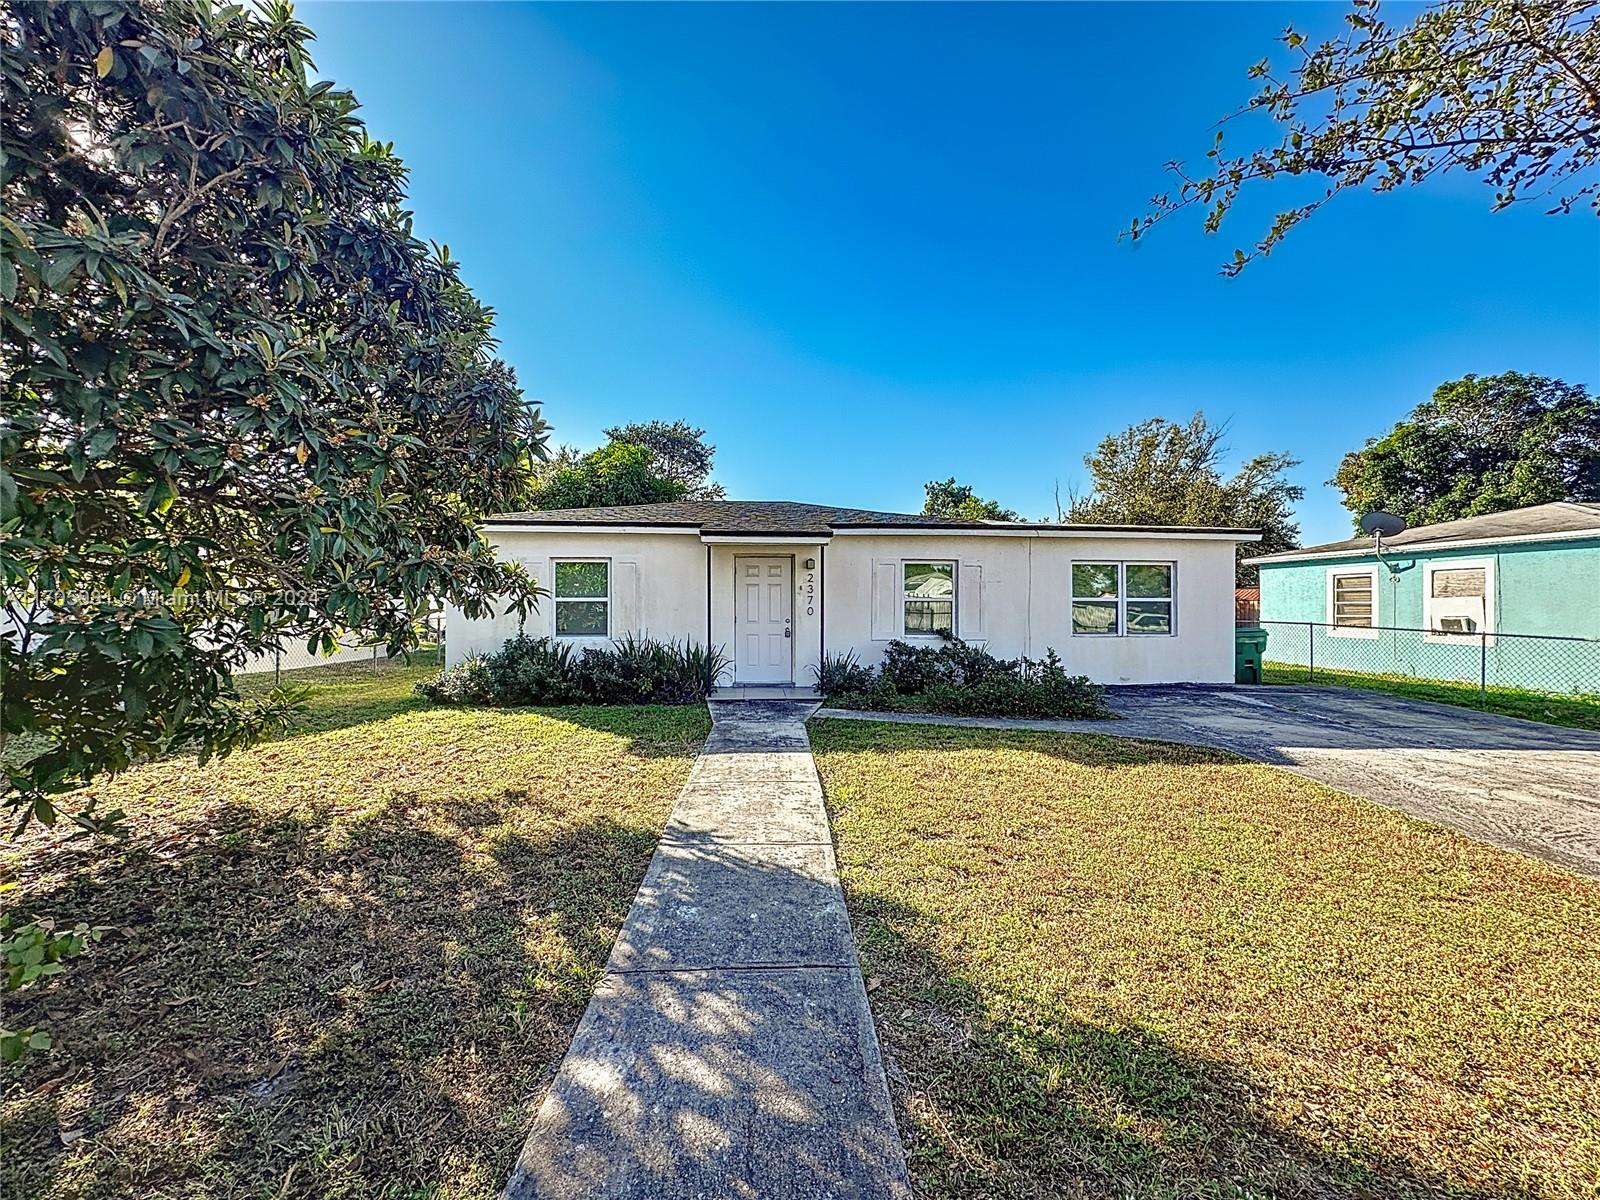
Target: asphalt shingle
(1539, 520)
(785, 517)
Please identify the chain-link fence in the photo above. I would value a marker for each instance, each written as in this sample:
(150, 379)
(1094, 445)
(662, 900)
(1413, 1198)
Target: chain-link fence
(294, 656)
(1313, 652)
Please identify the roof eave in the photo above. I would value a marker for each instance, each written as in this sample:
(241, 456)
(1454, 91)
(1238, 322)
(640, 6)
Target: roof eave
(506, 524)
(1565, 535)
(1192, 533)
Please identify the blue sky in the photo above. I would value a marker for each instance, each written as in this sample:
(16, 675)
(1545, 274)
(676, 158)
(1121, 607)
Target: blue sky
(870, 246)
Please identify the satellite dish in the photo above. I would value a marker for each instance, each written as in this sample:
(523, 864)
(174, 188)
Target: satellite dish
(1382, 524)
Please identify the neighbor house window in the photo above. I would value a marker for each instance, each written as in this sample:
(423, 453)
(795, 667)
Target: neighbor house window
(1353, 602)
(1116, 598)
(583, 598)
(1457, 598)
(929, 598)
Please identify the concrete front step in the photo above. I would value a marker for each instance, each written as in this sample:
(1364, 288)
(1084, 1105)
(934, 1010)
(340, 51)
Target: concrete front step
(765, 691)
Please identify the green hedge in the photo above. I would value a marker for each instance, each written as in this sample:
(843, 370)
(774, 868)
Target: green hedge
(962, 680)
(539, 671)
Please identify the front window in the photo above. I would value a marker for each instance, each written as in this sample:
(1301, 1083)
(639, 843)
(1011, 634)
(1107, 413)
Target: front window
(1096, 598)
(929, 598)
(1149, 605)
(582, 596)
(1112, 598)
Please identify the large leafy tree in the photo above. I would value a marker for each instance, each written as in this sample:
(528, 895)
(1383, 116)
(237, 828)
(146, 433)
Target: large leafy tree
(1482, 444)
(957, 501)
(1159, 472)
(1506, 90)
(243, 402)
(617, 473)
(681, 452)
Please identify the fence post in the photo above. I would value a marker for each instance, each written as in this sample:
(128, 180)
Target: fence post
(1311, 652)
(1483, 668)
(277, 665)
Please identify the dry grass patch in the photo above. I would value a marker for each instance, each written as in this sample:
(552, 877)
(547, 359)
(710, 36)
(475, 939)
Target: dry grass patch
(1120, 968)
(344, 963)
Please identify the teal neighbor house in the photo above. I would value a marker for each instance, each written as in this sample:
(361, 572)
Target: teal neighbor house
(1509, 599)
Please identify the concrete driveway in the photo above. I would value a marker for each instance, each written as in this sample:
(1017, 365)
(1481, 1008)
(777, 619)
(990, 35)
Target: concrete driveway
(1517, 784)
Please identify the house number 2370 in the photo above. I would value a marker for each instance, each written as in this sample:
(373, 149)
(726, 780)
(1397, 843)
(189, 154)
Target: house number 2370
(811, 593)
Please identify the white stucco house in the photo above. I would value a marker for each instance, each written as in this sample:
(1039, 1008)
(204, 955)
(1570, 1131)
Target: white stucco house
(779, 584)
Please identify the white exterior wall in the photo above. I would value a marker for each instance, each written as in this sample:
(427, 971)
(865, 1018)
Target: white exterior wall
(658, 588)
(1013, 595)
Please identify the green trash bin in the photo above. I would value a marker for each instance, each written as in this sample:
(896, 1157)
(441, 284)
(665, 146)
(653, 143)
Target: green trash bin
(1249, 648)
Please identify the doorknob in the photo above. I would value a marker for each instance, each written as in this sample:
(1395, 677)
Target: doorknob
(785, 631)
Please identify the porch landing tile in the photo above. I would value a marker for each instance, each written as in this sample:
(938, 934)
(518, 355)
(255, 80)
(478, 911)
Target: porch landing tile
(776, 691)
(729, 1050)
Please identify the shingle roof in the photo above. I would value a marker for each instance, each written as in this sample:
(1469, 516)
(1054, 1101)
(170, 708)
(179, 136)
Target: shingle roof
(789, 519)
(1543, 521)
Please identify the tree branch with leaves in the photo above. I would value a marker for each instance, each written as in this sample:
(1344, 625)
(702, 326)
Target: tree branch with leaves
(244, 404)
(1160, 472)
(1481, 444)
(1507, 90)
(957, 501)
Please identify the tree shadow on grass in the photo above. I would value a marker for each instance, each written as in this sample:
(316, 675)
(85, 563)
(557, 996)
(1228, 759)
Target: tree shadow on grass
(290, 1005)
(1021, 1104)
(372, 1007)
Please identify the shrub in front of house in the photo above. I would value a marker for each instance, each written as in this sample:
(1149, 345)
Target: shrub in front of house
(465, 683)
(961, 679)
(540, 671)
(914, 669)
(843, 675)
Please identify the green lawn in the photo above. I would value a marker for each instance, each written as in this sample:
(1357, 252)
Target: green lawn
(1579, 712)
(343, 963)
(1114, 968)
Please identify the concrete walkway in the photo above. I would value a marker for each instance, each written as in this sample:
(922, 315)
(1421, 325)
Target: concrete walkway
(1520, 785)
(729, 1051)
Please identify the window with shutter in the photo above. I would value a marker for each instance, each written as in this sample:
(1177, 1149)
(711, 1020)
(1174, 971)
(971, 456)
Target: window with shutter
(1353, 601)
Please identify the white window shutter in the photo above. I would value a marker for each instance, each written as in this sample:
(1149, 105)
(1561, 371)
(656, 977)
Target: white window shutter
(541, 618)
(626, 616)
(969, 601)
(886, 597)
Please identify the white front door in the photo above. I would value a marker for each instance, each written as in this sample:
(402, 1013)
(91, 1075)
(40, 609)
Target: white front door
(763, 632)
